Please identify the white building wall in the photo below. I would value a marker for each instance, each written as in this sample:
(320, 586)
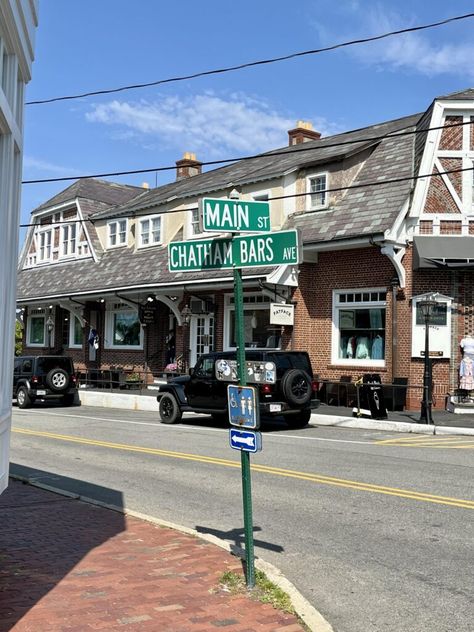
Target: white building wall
(18, 21)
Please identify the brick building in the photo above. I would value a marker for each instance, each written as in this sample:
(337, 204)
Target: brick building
(385, 215)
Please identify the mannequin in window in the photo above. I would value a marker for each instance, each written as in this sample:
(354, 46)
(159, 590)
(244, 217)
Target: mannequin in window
(466, 377)
(467, 346)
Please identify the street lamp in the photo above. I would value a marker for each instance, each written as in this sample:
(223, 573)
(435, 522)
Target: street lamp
(427, 308)
(185, 319)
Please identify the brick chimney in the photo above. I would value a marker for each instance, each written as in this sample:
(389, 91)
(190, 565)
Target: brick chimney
(188, 166)
(302, 133)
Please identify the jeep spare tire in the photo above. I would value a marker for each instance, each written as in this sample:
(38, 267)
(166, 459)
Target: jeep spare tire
(57, 380)
(296, 387)
(169, 409)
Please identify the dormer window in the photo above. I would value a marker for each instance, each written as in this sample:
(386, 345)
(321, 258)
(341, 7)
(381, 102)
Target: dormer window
(316, 187)
(117, 233)
(45, 237)
(68, 244)
(150, 231)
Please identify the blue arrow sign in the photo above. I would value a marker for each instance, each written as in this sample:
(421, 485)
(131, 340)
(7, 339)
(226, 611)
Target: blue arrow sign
(246, 440)
(243, 406)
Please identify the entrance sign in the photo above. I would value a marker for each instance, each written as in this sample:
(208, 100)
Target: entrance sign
(245, 440)
(243, 406)
(223, 215)
(275, 249)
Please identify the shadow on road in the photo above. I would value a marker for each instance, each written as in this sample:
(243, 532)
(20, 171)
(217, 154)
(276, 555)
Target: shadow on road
(237, 539)
(44, 535)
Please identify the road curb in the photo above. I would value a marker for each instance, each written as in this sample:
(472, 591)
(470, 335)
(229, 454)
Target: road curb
(318, 419)
(311, 617)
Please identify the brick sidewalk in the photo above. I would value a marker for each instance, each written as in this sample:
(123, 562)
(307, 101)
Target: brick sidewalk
(69, 566)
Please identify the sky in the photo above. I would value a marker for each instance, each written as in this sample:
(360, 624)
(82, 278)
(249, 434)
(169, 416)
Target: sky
(101, 44)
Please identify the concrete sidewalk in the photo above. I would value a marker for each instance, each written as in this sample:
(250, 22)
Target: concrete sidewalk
(69, 565)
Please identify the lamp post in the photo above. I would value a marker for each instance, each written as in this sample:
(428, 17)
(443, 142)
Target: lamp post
(186, 318)
(50, 327)
(427, 307)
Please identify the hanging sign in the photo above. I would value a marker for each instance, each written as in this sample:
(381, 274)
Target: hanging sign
(282, 314)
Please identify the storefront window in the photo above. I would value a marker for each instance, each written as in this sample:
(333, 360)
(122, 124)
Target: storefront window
(360, 326)
(258, 333)
(36, 330)
(76, 334)
(123, 329)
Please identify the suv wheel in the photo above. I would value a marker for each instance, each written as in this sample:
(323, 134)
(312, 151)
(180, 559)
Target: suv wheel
(22, 398)
(299, 420)
(169, 409)
(57, 380)
(296, 387)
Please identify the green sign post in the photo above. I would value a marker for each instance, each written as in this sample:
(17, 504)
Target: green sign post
(248, 251)
(260, 250)
(224, 216)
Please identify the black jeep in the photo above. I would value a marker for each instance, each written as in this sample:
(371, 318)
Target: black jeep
(293, 393)
(43, 377)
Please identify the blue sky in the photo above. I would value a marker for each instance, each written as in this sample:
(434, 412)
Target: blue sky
(92, 45)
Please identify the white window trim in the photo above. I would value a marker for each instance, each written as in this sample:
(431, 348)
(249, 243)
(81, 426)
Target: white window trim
(335, 335)
(228, 308)
(67, 228)
(150, 219)
(28, 332)
(109, 331)
(45, 231)
(117, 222)
(309, 177)
(72, 319)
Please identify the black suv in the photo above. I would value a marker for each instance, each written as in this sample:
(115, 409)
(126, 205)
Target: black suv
(293, 394)
(43, 377)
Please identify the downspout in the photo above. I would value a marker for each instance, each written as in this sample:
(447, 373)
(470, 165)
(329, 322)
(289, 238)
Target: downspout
(395, 285)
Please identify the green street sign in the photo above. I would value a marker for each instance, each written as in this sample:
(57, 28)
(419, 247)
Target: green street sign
(242, 216)
(249, 251)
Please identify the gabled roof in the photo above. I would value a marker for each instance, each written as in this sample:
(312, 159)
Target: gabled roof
(109, 193)
(461, 95)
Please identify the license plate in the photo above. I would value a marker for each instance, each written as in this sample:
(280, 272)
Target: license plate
(40, 392)
(275, 408)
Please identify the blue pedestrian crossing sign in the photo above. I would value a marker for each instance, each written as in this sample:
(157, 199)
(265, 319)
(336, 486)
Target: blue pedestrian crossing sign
(246, 440)
(243, 406)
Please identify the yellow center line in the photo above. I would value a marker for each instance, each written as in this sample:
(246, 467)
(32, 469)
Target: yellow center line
(264, 469)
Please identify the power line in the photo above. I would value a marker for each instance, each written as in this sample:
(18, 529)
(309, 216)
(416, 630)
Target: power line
(270, 199)
(255, 63)
(270, 154)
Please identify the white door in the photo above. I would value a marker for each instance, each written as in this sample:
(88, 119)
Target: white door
(201, 336)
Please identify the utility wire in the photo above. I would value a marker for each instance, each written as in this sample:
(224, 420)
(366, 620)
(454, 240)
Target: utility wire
(134, 215)
(270, 154)
(255, 63)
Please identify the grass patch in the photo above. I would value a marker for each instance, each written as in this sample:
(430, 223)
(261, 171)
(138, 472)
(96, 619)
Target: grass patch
(264, 590)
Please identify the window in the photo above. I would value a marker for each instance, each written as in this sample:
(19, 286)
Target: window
(117, 233)
(195, 223)
(150, 231)
(316, 186)
(359, 327)
(68, 239)
(258, 333)
(45, 245)
(76, 334)
(35, 328)
(123, 329)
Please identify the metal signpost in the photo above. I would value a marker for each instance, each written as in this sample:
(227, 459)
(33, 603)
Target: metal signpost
(258, 250)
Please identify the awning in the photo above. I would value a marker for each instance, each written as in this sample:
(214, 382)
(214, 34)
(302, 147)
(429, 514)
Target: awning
(443, 251)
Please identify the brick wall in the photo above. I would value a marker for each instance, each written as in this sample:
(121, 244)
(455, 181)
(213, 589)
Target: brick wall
(439, 199)
(451, 138)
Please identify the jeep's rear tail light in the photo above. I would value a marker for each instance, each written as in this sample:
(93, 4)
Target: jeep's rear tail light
(315, 386)
(34, 379)
(265, 389)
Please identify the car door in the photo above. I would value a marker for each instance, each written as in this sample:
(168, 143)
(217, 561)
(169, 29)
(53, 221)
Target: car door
(16, 373)
(199, 388)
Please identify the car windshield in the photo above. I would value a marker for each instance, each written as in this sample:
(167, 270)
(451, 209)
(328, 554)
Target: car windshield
(46, 364)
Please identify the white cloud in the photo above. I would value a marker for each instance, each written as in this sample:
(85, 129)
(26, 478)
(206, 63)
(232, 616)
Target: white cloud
(422, 52)
(205, 123)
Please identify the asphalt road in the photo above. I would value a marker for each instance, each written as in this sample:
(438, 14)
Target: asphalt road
(374, 528)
